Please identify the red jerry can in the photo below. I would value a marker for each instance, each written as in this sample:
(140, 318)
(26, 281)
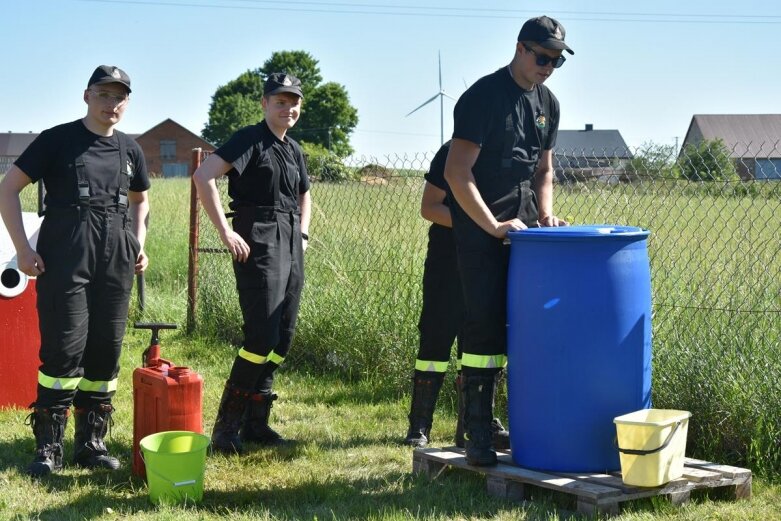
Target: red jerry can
(166, 397)
(20, 339)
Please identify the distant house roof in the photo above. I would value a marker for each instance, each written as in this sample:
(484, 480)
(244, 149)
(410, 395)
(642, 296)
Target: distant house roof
(745, 135)
(169, 121)
(13, 144)
(602, 143)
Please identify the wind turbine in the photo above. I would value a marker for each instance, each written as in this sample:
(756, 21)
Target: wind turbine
(441, 95)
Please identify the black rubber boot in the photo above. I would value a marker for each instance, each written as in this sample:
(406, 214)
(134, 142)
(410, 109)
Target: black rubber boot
(49, 429)
(478, 417)
(460, 420)
(89, 449)
(225, 435)
(500, 438)
(256, 428)
(425, 390)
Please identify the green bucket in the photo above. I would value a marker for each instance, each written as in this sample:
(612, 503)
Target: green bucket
(175, 462)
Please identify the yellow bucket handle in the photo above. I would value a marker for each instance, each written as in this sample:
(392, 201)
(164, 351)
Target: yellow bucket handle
(641, 452)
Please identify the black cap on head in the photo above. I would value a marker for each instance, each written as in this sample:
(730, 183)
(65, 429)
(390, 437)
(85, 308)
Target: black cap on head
(279, 82)
(109, 74)
(545, 31)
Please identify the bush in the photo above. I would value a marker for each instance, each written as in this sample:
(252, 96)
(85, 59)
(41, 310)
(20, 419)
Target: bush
(324, 165)
(709, 160)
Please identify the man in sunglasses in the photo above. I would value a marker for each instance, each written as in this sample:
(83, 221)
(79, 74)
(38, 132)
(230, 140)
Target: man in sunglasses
(90, 244)
(500, 176)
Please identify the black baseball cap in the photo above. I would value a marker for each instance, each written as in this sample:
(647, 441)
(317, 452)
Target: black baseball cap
(109, 74)
(279, 82)
(544, 31)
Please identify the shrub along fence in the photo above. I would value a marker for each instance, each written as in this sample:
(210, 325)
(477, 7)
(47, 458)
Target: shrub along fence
(715, 252)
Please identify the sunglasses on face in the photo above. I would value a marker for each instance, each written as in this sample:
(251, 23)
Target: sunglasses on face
(543, 60)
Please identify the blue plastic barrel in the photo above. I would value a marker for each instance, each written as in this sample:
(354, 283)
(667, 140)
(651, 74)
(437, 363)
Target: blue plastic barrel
(578, 343)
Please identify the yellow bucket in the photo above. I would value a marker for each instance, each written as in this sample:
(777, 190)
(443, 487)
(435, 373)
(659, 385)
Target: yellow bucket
(651, 445)
(175, 462)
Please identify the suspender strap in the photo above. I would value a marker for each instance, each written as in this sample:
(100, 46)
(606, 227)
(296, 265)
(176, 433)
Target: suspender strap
(82, 182)
(125, 172)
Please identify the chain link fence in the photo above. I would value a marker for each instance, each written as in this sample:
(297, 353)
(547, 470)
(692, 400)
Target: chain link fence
(715, 253)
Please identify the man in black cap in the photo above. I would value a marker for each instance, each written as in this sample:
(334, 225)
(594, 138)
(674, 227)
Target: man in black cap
(269, 188)
(500, 174)
(90, 244)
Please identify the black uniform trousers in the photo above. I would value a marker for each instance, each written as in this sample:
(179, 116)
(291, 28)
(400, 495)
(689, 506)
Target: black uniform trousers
(269, 284)
(83, 299)
(442, 313)
(483, 262)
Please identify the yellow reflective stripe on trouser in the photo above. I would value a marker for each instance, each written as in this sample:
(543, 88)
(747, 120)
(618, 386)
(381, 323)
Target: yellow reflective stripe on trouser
(99, 386)
(458, 364)
(431, 366)
(483, 361)
(252, 357)
(58, 383)
(275, 358)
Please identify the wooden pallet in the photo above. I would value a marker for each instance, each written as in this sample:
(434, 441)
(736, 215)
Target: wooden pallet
(594, 493)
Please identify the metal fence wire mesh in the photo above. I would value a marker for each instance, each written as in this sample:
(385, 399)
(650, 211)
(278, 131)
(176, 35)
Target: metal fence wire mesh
(715, 253)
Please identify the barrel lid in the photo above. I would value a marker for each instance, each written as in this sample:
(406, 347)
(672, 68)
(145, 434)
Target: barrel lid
(581, 231)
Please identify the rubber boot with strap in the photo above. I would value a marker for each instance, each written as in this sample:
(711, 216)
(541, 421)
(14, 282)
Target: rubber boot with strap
(256, 428)
(478, 416)
(89, 447)
(49, 429)
(499, 435)
(225, 435)
(425, 390)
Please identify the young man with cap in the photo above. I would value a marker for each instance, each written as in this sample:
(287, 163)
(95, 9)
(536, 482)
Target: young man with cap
(89, 246)
(441, 316)
(500, 173)
(271, 204)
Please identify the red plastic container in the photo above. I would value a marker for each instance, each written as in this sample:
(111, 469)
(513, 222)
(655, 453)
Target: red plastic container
(21, 341)
(165, 398)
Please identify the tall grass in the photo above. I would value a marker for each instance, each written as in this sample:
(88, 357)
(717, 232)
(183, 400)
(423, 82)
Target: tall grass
(344, 388)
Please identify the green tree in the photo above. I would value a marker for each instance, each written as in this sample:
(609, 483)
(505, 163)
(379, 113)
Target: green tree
(300, 64)
(234, 105)
(653, 160)
(327, 117)
(709, 160)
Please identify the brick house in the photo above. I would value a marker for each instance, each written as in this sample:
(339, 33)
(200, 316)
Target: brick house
(168, 148)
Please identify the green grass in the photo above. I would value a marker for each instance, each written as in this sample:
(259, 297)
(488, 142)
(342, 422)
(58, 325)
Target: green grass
(347, 464)
(715, 263)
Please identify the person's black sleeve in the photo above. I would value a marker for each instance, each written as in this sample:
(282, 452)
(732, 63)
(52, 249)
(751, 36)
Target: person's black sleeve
(472, 115)
(38, 158)
(436, 172)
(555, 117)
(239, 149)
(140, 181)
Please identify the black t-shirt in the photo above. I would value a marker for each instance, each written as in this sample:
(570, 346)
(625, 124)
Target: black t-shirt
(52, 156)
(436, 171)
(257, 157)
(481, 112)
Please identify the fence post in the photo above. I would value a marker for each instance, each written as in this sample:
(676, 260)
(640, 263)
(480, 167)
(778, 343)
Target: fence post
(192, 265)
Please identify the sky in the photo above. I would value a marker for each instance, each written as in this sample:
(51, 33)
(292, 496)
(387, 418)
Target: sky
(643, 69)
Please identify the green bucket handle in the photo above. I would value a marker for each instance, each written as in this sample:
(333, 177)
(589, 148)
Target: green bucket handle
(174, 483)
(641, 452)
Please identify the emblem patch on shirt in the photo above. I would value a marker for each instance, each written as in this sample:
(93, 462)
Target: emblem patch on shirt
(129, 169)
(540, 121)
